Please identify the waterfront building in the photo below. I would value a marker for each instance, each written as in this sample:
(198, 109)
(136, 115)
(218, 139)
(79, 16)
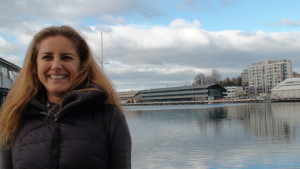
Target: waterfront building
(287, 90)
(185, 93)
(8, 74)
(265, 75)
(127, 96)
(234, 92)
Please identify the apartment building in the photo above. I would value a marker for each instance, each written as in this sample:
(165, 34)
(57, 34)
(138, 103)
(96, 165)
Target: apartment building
(263, 76)
(244, 76)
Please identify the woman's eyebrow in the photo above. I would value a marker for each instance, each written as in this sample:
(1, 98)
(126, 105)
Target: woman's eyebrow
(46, 53)
(68, 53)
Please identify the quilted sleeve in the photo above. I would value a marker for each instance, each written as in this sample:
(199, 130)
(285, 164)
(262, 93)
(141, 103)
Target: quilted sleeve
(119, 141)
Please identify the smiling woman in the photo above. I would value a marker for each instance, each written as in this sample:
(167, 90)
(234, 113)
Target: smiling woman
(62, 112)
(57, 64)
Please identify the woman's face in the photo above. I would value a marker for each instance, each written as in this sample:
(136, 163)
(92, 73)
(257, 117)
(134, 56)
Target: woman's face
(57, 64)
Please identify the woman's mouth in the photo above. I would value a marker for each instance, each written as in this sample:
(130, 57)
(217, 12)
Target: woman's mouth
(57, 77)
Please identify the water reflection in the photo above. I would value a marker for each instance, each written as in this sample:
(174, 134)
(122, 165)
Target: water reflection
(262, 120)
(232, 136)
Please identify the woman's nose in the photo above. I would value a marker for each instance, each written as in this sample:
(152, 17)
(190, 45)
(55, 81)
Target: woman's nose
(56, 64)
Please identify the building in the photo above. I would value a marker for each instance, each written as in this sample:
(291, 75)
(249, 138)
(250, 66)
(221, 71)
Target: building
(287, 90)
(296, 74)
(265, 75)
(8, 74)
(185, 93)
(127, 96)
(244, 76)
(234, 92)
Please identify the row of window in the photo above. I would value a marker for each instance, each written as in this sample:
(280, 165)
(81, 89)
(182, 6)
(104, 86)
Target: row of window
(7, 73)
(174, 95)
(169, 91)
(211, 92)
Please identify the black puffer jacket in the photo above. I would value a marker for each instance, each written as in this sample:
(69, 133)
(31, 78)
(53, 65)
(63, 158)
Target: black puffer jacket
(86, 134)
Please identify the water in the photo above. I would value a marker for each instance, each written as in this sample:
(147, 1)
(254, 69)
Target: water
(257, 135)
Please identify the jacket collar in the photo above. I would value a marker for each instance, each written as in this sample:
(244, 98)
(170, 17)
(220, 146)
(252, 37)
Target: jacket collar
(74, 99)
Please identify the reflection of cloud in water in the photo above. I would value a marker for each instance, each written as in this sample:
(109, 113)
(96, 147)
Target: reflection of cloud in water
(220, 137)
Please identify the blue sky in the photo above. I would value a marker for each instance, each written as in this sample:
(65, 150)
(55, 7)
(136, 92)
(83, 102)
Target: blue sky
(150, 44)
(216, 15)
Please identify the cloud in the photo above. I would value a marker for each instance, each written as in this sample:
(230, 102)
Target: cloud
(288, 22)
(143, 56)
(204, 5)
(153, 55)
(284, 22)
(146, 55)
(186, 43)
(57, 11)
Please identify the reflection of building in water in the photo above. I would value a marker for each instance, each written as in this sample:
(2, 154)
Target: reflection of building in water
(259, 119)
(214, 117)
(288, 112)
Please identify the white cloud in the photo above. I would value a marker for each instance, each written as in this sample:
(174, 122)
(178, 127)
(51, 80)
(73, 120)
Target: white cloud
(143, 56)
(289, 22)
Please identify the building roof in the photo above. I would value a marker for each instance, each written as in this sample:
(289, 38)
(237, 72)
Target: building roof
(288, 84)
(9, 64)
(183, 88)
(126, 94)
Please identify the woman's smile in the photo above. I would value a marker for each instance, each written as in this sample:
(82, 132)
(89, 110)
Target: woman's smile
(57, 77)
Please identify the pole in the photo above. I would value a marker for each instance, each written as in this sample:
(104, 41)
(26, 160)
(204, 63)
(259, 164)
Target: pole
(101, 50)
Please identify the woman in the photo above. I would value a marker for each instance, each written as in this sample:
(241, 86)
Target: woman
(62, 112)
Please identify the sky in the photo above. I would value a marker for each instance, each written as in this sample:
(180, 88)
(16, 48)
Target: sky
(162, 43)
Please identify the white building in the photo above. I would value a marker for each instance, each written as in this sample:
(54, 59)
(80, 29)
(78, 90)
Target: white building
(288, 89)
(234, 92)
(265, 75)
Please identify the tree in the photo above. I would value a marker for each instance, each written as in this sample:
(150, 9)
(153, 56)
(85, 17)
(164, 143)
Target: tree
(215, 76)
(199, 79)
(235, 81)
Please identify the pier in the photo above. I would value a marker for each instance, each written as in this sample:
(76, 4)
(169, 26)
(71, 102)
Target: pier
(198, 102)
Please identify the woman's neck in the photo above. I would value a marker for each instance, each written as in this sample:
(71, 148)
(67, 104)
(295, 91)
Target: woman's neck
(54, 98)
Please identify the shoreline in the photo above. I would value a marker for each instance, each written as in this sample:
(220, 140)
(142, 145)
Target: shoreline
(210, 102)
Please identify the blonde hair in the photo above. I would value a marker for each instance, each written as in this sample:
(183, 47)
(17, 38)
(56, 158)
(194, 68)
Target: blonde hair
(27, 84)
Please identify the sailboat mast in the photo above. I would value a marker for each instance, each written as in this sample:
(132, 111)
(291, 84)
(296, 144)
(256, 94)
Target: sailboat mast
(101, 49)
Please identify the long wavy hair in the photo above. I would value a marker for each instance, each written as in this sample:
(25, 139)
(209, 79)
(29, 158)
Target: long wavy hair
(28, 85)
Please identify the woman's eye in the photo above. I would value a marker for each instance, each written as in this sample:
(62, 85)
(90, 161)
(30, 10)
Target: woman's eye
(46, 57)
(67, 58)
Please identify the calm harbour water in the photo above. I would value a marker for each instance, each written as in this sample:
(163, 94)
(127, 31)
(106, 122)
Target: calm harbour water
(258, 135)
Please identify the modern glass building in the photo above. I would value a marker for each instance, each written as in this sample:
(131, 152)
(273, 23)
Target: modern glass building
(8, 74)
(185, 93)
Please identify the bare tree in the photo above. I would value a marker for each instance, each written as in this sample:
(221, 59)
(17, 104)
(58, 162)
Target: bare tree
(199, 79)
(215, 76)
